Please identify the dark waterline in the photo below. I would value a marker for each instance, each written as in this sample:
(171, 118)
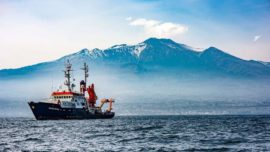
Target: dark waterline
(139, 133)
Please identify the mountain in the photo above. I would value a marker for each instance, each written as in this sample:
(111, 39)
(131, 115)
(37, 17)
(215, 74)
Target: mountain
(221, 61)
(265, 63)
(153, 55)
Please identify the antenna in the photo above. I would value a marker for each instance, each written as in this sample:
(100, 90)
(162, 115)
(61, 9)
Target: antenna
(86, 70)
(67, 72)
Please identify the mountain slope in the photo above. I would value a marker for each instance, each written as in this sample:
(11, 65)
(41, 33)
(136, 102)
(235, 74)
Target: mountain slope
(153, 54)
(219, 60)
(167, 53)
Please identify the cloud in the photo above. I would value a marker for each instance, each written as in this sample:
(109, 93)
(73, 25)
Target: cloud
(157, 28)
(256, 38)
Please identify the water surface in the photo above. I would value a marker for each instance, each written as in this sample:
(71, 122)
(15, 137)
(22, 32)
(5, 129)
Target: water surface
(138, 133)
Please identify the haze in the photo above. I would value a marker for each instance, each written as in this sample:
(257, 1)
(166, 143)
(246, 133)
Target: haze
(158, 94)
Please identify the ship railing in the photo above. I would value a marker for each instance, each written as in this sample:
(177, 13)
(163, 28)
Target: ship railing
(46, 100)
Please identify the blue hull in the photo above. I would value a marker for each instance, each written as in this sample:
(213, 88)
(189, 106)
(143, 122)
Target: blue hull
(50, 111)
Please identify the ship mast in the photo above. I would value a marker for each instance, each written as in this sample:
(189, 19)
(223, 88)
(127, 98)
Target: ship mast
(68, 75)
(85, 69)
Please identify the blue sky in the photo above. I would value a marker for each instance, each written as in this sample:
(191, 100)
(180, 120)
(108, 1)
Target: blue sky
(36, 31)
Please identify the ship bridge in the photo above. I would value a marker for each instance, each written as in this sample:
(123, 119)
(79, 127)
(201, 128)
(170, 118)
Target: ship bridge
(68, 99)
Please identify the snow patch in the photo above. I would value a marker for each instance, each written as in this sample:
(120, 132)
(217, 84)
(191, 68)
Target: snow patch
(139, 48)
(118, 46)
(172, 46)
(194, 49)
(96, 53)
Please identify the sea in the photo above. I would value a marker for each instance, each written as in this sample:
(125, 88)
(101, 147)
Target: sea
(138, 133)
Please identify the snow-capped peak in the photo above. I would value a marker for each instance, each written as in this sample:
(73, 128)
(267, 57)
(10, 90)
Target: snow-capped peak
(84, 52)
(139, 48)
(96, 53)
(118, 46)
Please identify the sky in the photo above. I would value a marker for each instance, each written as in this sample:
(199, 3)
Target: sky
(34, 31)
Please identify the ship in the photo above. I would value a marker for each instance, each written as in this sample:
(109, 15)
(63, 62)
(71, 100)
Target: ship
(70, 104)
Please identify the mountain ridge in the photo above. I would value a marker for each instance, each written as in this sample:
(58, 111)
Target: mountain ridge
(158, 53)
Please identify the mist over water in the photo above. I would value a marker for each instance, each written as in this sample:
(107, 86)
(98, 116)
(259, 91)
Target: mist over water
(142, 94)
(154, 112)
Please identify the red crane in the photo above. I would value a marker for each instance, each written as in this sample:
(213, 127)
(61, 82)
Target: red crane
(92, 95)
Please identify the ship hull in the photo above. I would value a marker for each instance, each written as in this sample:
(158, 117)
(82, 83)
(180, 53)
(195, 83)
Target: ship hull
(51, 111)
